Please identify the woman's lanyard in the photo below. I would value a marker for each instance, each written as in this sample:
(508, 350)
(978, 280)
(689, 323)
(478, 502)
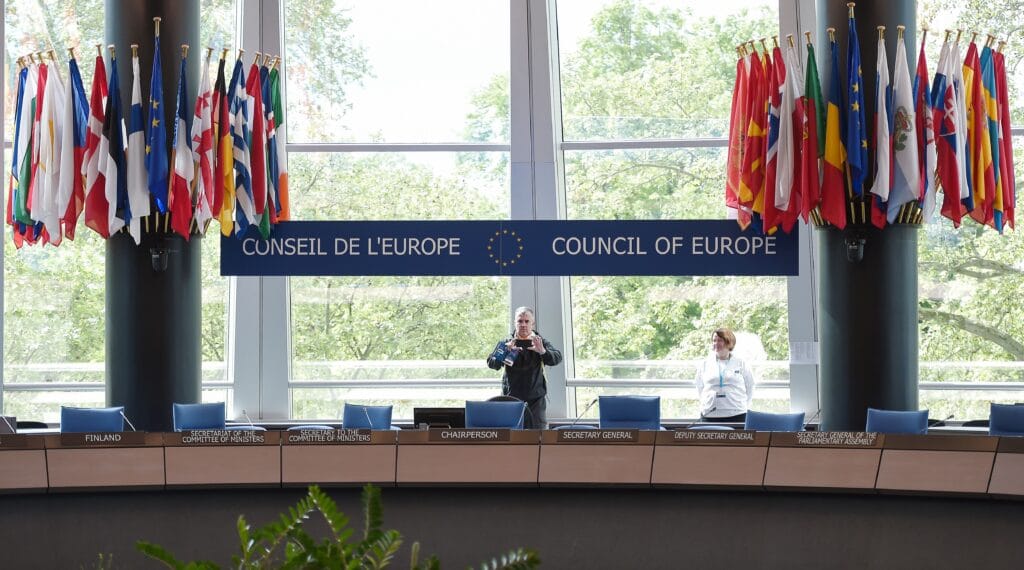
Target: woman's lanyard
(721, 372)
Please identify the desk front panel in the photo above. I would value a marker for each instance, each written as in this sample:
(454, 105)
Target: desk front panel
(936, 471)
(72, 466)
(22, 463)
(468, 464)
(709, 465)
(223, 465)
(821, 467)
(338, 464)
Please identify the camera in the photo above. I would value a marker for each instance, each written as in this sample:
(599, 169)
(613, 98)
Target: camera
(524, 343)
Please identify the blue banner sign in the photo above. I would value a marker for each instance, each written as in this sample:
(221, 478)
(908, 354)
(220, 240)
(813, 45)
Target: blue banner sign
(532, 247)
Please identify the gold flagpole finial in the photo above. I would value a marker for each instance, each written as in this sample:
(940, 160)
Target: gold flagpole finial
(831, 34)
(974, 36)
(851, 6)
(899, 32)
(807, 34)
(135, 50)
(266, 59)
(739, 50)
(184, 51)
(31, 59)
(881, 32)
(241, 52)
(775, 42)
(991, 40)
(71, 53)
(52, 53)
(1002, 44)
(209, 52)
(256, 59)
(789, 38)
(156, 26)
(277, 60)
(946, 39)
(113, 54)
(99, 50)
(958, 32)
(224, 53)
(21, 62)
(764, 44)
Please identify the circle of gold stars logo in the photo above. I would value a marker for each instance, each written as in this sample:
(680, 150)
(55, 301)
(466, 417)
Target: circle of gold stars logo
(505, 247)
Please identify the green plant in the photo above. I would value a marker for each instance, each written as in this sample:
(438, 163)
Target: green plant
(285, 544)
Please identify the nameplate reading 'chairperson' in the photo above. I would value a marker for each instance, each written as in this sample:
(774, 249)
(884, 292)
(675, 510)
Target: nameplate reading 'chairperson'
(532, 247)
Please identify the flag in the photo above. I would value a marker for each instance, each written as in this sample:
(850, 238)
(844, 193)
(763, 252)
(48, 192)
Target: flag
(33, 207)
(833, 198)
(137, 176)
(787, 186)
(282, 152)
(245, 213)
(752, 164)
(979, 150)
(882, 184)
(116, 178)
(224, 175)
(856, 141)
(906, 169)
(96, 207)
(202, 149)
(20, 145)
(991, 106)
(273, 207)
(156, 149)
(1006, 140)
(71, 189)
(179, 202)
(963, 138)
(813, 141)
(925, 128)
(947, 136)
(257, 149)
(45, 200)
(770, 214)
(737, 134)
(218, 124)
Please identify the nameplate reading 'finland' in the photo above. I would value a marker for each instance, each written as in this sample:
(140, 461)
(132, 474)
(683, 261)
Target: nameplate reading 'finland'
(533, 247)
(598, 436)
(102, 439)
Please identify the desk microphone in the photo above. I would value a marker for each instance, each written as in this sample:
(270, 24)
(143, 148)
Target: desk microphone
(810, 421)
(129, 422)
(367, 414)
(8, 422)
(248, 419)
(585, 410)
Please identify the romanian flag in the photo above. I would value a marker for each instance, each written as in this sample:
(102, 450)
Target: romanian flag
(833, 197)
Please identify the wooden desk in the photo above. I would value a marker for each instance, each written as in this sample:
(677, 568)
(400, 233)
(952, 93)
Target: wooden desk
(223, 458)
(710, 458)
(843, 461)
(937, 463)
(1008, 470)
(596, 457)
(114, 461)
(338, 457)
(468, 457)
(22, 463)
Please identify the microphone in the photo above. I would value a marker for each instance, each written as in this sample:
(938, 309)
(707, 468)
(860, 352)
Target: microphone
(585, 410)
(808, 422)
(248, 419)
(367, 414)
(129, 422)
(9, 426)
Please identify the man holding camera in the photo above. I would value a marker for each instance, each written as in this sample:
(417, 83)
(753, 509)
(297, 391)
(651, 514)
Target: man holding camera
(524, 357)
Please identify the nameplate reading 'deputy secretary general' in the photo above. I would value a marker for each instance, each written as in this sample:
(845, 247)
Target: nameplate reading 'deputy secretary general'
(529, 247)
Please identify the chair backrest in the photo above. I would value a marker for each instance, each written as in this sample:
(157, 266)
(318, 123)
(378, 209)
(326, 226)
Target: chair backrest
(495, 414)
(357, 416)
(711, 427)
(895, 421)
(77, 420)
(630, 412)
(765, 421)
(198, 416)
(1006, 419)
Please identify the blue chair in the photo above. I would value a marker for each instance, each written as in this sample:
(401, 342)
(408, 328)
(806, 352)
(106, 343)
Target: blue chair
(198, 416)
(310, 427)
(356, 416)
(78, 420)
(764, 421)
(712, 427)
(893, 421)
(629, 412)
(501, 414)
(1006, 419)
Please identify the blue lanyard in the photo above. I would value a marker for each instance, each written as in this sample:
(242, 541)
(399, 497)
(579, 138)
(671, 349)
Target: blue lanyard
(721, 371)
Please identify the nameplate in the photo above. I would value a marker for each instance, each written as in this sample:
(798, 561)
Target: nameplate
(103, 439)
(327, 436)
(716, 437)
(200, 437)
(598, 436)
(469, 435)
(846, 439)
(12, 441)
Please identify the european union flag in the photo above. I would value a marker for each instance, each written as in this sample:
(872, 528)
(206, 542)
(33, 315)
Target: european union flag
(156, 147)
(856, 131)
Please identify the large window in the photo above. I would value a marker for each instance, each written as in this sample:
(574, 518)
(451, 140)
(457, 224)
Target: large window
(54, 325)
(646, 88)
(396, 119)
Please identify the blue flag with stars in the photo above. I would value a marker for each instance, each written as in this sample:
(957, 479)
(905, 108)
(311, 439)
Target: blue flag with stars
(156, 141)
(856, 132)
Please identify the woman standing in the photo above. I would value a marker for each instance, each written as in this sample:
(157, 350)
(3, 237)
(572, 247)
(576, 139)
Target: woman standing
(725, 385)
